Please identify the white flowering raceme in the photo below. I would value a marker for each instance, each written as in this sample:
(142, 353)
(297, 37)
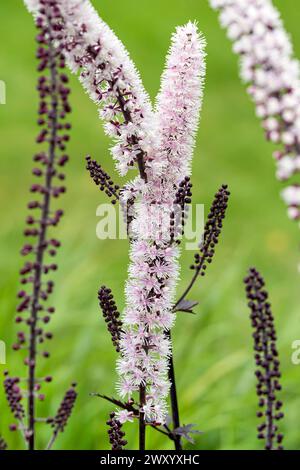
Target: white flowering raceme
(110, 78)
(268, 66)
(179, 100)
(161, 143)
(154, 269)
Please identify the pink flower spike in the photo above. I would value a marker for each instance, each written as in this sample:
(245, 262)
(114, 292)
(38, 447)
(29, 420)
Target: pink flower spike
(111, 80)
(154, 269)
(268, 66)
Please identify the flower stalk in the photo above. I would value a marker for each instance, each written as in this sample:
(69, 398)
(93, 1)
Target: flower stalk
(266, 360)
(160, 144)
(33, 309)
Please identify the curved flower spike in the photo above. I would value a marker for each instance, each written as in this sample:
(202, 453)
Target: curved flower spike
(110, 79)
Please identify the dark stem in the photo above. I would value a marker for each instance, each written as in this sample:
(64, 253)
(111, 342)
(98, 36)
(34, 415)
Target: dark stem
(52, 439)
(141, 166)
(142, 425)
(171, 372)
(172, 379)
(40, 258)
(210, 238)
(189, 287)
(140, 156)
(173, 396)
(129, 407)
(269, 413)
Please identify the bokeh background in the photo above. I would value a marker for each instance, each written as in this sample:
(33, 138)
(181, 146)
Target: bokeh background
(213, 350)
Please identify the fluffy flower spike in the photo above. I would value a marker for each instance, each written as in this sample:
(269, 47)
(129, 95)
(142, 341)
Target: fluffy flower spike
(179, 100)
(267, 64)
(154, 269)
(110, 79)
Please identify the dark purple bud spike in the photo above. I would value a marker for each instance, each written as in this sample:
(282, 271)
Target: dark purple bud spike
(103, 180)
(53, 134)
(14, 396)
(182, 199)
(115, 433)
(212, 230)
(64, 412)
(267, 372)
(111, 315)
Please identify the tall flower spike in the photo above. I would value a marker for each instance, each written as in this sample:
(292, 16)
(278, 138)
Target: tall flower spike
(266, 359)
(154, 269)
(111, 80)
(273, 75)
(33, 310)
(180, 98)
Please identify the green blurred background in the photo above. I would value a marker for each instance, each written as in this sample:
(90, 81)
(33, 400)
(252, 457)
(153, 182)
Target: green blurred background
(213, 350)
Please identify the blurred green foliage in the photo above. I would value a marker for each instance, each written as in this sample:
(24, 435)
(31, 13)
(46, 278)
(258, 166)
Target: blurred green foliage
(213, 350)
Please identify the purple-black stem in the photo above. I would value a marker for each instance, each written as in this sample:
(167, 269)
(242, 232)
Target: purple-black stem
(142, 424)
(174, 399)
(40, 252)
(128, 118)
(212, 232)
(53, 108)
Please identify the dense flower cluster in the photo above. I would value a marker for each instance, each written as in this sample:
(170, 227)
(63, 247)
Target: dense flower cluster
(273, 75)
(110, 79)
(266, 359)
(153, 270)
(111, 315)
(179, 100)
(115, 433)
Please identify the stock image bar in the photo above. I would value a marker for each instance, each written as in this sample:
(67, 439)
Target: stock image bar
(150, 300)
